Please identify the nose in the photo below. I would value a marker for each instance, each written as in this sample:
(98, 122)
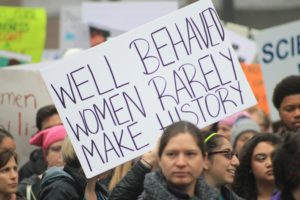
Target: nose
(297, 112)
(235, 161)
(181, 161)
(13, 174)
(268, 162)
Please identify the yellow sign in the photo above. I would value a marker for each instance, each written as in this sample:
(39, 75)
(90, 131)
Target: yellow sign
(23, 30)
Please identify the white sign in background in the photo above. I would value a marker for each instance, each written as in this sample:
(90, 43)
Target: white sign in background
(245, 48)
(73, 32)
(116, 98)
(22, 93)
(106, 15)
(279, 55)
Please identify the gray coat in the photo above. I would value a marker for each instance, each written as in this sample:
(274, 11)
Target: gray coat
(140, 184)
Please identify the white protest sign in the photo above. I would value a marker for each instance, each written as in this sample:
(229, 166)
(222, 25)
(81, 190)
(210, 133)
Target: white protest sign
(245, 48)
(279, 55)
(106, 15)
(73, 32)
(116, 98)
(22, 93)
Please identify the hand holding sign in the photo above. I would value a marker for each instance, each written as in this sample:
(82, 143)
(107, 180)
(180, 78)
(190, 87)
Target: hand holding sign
(113, 97)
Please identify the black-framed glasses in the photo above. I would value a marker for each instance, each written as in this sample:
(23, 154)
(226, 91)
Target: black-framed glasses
(226, 153)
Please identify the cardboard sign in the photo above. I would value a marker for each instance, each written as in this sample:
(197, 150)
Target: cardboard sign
(115, 99)
(255, 78)
(22, 93)
(23, 30)
(279, 55)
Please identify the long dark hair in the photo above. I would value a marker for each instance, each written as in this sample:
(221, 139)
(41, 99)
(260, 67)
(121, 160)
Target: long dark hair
(244, 183)
(6, 155)
(4, 134)
(286, 165)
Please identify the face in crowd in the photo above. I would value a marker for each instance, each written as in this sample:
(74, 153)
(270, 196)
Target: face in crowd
(220, 163)
(261, 162)
(224, 129)
(8, 173)
(8, 143)
(51, 121)
(181, 156)
(51, 140)
(289, 111)
(53, 154)
(241, 141)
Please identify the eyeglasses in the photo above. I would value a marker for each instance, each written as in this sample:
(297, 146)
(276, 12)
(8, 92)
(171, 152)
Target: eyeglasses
(227, 154)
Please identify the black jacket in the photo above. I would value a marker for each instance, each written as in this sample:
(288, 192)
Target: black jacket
(66, 184)
(36, 165)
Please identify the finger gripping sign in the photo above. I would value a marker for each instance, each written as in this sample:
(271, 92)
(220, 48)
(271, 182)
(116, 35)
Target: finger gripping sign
(116, 98)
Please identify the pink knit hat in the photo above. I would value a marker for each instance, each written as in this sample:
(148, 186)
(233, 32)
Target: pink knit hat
(49, 136)
(229, 121)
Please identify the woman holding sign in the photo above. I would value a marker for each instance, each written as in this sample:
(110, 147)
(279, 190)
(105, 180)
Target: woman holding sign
(180, 160)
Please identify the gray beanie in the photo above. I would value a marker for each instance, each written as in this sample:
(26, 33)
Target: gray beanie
(243, 125)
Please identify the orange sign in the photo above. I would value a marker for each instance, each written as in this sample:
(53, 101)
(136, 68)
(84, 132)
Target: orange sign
(255, 78)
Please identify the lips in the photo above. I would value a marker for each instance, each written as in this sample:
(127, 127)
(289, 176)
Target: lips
(296, 124)
(13, 185)
(269, 172)
(231, 171)
(180, 174)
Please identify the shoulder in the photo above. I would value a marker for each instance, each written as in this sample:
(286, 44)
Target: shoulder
(205, 191)
(229, 194)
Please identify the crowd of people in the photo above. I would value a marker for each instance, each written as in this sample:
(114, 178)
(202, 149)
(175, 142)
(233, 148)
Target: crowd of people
(240, 157)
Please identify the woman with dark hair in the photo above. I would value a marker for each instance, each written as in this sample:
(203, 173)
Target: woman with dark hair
(8, 175)
(7, 140)
(286, 167)
(254, 178)
(180, 159)
(220, 165)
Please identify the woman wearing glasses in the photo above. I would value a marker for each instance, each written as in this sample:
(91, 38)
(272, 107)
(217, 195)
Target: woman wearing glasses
(220, 165)
(254, 178)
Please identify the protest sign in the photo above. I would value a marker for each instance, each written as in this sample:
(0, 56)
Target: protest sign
(255, 78)
(279, 54)
(23, 30)
(73, 32)
(22, 93)
(8, 58)
(245, 48)
(116, 98)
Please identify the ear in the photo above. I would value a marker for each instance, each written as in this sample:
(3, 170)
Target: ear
(206, 162)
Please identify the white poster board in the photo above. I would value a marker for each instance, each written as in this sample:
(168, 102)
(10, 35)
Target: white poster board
(73, 32)
(279, 55)
(116, 98)
(106, 15)
(22, 93)
(244, 47)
